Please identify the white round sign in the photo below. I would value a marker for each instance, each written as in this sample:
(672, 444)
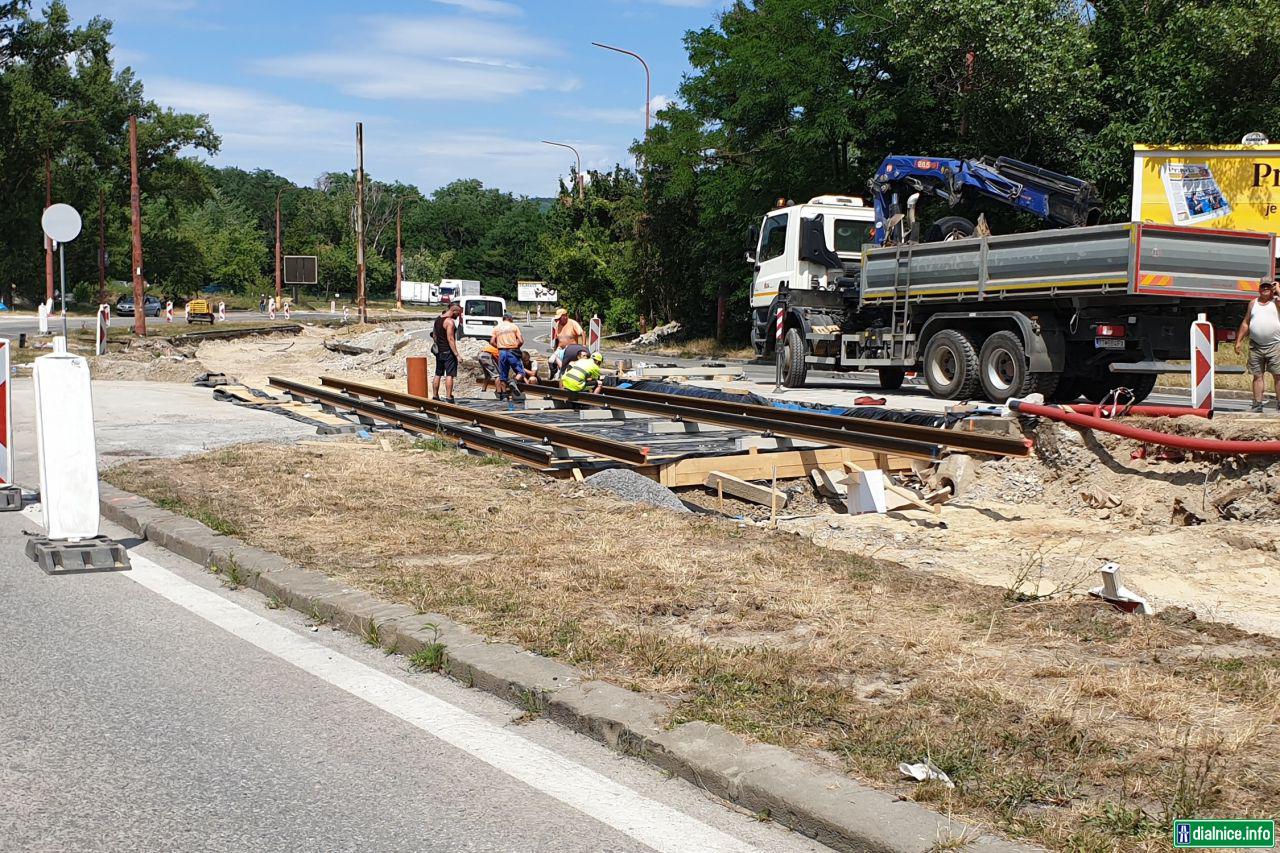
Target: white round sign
(1255, 138)
(61, 223)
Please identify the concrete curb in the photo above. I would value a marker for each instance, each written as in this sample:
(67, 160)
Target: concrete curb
(798, 794)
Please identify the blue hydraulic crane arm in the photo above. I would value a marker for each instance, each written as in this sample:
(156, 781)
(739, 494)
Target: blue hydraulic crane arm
(1053, 197)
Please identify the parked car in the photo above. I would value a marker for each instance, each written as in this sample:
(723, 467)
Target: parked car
(151, 306)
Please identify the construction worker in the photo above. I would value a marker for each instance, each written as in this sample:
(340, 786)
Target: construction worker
(444, 337)
(1261, 325)
(508, 340)
(565, 332)
(488, 360)
(584, 373)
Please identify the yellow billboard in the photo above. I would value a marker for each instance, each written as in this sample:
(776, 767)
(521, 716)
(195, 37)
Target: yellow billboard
(1229, 187)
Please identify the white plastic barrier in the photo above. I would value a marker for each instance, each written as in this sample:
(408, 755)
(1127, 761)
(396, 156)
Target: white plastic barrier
(1202, 366)
(68, 456)
(222, 311)
(42, 313)
(104, 323)
(593, 336)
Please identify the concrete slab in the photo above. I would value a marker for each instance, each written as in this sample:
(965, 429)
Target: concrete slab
(680, 427)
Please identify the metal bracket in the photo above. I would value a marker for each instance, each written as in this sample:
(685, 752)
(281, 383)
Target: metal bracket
(65, 557)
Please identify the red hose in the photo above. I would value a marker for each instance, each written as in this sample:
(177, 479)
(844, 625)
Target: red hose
(1095, 410)
(1148, 436)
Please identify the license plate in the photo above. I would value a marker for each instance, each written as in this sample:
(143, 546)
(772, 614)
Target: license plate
(1108, 343)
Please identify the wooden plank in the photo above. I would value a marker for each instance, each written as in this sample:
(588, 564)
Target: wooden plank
(791, 464)
(763, 495)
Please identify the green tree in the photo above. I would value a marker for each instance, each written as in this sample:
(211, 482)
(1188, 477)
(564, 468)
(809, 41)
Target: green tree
(62, 98)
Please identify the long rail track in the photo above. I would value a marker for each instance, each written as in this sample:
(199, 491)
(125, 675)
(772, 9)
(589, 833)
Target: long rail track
(466, 423)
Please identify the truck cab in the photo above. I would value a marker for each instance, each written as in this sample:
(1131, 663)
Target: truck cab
(814, 248)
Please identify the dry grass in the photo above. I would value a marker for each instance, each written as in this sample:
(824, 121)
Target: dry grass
(1062, 722)
(699, 348)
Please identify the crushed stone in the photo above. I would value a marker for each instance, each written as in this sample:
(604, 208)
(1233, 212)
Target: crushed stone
(636, 488)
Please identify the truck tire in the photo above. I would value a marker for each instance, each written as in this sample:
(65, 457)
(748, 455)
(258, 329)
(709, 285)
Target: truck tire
(951, 365)
(891, 378)
(794, 367)
(1005, 370)
(949, 228)
(1141, 384)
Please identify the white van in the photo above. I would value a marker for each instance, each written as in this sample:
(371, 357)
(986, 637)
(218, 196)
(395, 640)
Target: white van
(480, 314)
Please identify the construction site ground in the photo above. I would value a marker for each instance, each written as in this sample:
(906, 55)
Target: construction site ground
(963, 637)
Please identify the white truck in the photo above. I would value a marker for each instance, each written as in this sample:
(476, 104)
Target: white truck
(1065, 312)
(424, 292)
(453, 289)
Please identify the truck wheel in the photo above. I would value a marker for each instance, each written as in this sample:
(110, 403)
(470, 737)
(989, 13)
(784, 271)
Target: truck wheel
(1005, 371)
(1141, 384)
(794, 367)
(949, 228)
(951, 365)
(891, 378)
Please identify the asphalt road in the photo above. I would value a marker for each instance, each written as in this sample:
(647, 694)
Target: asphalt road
(129, 720)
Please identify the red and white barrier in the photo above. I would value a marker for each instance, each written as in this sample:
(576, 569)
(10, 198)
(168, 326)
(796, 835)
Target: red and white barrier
(1202, 364)
(104, 323)
(346, 313)
(42, 315)
(781, 319)
(222, 311)
(168, 311)
(6, 417)
(271, 309)
(333, 306)
(593, 335)
(286, 310)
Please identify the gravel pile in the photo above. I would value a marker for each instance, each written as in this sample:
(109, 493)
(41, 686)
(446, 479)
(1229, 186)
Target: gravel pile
(636, 488)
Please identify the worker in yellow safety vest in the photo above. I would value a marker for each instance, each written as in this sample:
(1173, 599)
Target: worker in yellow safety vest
(583, 373)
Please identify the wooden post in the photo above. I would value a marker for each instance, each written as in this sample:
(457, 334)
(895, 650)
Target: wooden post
(773, 499)
(135, 205)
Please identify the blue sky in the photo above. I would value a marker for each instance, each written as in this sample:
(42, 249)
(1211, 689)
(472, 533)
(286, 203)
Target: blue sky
(446, 88)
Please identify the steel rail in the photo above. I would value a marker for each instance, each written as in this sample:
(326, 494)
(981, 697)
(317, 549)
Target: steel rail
(970, 441)
(418, 422)
(544, 433)
(841, 437)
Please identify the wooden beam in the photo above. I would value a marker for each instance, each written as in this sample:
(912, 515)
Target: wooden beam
(763, 495)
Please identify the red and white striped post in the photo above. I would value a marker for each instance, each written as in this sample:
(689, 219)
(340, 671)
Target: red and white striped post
(286, 310)
(168, 311)
(1202, 363)
(271, 309)
(222, 311)
(10, 495)
(779, 322)
(593, 335)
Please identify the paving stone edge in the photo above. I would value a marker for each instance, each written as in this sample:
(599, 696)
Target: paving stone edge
(799, 794)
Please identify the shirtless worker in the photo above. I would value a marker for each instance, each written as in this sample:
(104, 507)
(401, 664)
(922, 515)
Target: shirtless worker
(565, 332)
(444, 335)
(508, 339)
(1262, 326)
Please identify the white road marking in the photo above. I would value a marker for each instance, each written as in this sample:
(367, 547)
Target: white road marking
(651, 823)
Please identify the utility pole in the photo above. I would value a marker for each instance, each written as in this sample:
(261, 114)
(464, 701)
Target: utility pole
(135, 204)
(48, 244)
(399, 254)
(102, 246)
(279, 279)
(361, 307)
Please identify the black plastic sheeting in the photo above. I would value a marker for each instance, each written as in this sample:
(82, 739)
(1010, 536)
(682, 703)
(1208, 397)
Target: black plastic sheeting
(874, 413)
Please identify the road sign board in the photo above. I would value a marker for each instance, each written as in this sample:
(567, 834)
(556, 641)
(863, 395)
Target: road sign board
(301, 269)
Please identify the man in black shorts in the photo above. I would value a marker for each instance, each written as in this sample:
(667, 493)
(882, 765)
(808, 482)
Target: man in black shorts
(444, 335)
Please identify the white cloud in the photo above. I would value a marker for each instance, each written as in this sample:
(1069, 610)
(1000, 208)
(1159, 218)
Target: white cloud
(485, 7)
(434, 59)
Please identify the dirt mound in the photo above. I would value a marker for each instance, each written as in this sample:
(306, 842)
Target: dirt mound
(147, 360)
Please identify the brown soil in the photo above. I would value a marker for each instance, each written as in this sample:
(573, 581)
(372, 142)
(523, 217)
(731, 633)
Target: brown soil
(1060, 720)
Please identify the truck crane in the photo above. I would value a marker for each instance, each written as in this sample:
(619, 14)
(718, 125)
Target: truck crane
(1075, 310)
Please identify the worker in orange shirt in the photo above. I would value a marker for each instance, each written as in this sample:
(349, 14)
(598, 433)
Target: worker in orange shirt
(488, 360)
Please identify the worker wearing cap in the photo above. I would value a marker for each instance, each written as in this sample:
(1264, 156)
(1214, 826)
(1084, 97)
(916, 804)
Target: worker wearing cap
(507, 338)
(584, 373)
(565, 332)
(1262, 326)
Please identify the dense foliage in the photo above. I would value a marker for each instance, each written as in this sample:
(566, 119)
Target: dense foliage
(786, 99)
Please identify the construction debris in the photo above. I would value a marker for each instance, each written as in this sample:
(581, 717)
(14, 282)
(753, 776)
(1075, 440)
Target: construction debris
(637, 488)
(718, 481)
(1114, 593)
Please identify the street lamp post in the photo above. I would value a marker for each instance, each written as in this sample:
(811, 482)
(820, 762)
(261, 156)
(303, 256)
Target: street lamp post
(578, 157)
(647, 78)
